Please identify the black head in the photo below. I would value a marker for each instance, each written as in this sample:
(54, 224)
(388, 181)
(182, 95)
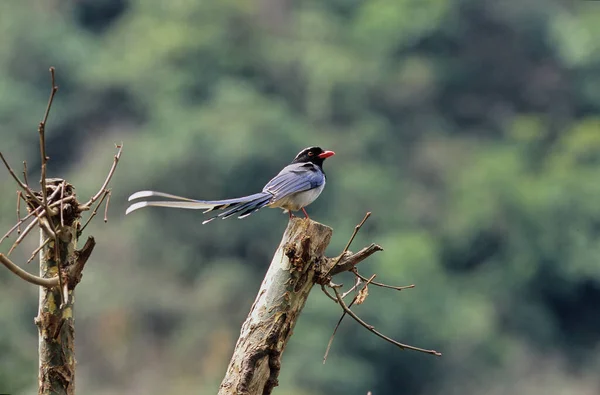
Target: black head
(315, 155)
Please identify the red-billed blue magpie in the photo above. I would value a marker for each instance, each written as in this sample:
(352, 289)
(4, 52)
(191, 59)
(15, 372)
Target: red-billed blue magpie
(295, 187)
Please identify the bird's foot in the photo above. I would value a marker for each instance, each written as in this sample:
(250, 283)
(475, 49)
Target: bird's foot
(305, 213)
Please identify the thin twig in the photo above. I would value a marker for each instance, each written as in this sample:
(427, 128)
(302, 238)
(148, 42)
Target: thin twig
(49, 232)
(42, 133)
(342, 317)
(43, 225)
(356, 285)
(32, 257)
(356, 229)
(62, 195)
(43, 183)
(22, 236)
(109, 193)
(44, 282)
(23, 186)
(7, 234)
(52, 93)
(356, 273)
(372, 329)
(102, 190)
(19, 211)
(326, 292)
(93, 212)
(25, 173)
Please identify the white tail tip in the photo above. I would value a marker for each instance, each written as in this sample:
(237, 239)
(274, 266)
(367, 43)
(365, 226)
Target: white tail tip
(140, 194)
(135, 206)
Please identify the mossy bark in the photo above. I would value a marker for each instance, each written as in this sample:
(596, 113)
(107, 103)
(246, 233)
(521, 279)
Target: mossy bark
(254, 367)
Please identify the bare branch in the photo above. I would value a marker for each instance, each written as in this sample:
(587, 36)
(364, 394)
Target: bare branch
(43, 282)
(7, 234)
(93, 212)
(326, 292)
(108, 193)
(102, 190)
(356, 285)
(356, 229)
(62, 195)
(22, 236)
(372, 329)
(347, 261)
(19, 211)
(52, 93)
(42, 220)
(342, 317)
(356, 273)
(42, 133)
(23, 186)
(25, 173)
(42, 245)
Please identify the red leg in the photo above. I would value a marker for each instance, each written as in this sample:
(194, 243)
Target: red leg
(290, 213)
(305, 213)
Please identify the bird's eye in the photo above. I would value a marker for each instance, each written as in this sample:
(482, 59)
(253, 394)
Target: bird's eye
(310, 153)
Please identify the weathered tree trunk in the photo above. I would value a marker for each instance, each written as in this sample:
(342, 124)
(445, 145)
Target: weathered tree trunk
(55, 322)
(255, 364)
(58, 214)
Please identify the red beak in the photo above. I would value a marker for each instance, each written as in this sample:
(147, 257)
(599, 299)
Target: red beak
(326, 154)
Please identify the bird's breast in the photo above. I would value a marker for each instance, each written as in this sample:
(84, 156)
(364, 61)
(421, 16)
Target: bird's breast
(296, 201)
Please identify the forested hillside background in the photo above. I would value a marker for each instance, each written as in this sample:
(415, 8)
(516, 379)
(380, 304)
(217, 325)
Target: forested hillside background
(470, 128)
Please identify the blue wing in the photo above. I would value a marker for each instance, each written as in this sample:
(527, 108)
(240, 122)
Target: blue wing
(296, 177)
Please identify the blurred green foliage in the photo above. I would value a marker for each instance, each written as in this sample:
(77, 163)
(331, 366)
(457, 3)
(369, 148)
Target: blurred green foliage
(470, 128)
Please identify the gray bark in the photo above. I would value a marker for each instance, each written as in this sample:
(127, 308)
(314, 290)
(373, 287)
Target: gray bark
(254, 367)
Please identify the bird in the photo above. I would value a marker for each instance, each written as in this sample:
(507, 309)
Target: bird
(296, 186)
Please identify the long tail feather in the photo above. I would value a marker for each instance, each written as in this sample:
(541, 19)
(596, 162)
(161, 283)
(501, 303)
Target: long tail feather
(145, 194)
(187, 205)
(249, 203)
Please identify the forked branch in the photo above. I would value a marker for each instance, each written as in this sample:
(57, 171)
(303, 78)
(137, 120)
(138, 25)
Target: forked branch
(343, 315)
(43, 206)
(372, 329)
(346, 262)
